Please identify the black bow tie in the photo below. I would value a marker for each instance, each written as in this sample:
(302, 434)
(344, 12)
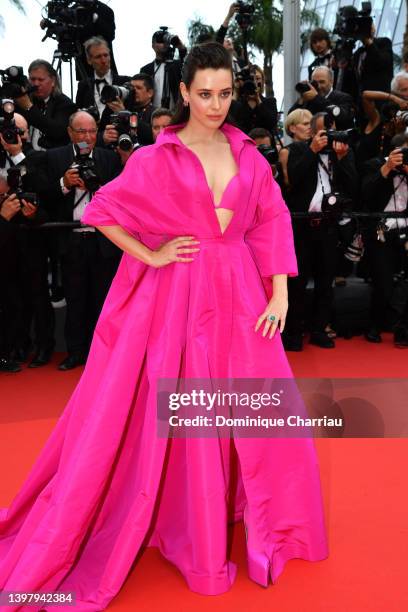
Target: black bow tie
(99, 82)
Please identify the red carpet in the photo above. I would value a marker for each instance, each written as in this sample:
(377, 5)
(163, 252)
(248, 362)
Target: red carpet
(364, 484)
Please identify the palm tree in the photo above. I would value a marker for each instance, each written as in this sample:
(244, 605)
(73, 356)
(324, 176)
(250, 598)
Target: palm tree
(18, 5)
(264, 34)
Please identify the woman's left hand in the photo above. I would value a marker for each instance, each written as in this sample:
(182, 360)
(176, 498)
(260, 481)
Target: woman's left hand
(277, 307)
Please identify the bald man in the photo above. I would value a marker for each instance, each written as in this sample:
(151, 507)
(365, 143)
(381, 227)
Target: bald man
(88, 260)
(321, 94)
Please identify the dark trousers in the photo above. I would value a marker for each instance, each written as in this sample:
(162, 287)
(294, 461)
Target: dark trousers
(385, 258)
(37, 308)
(86, 278)
(316, 252)
(25, 297)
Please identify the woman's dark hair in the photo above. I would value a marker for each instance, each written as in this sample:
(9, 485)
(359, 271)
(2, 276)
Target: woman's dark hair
(207, 55)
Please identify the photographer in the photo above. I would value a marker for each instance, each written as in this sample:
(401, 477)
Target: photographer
(91, 90)
(322, 177)
(385, 188)
(165, 70)
(161, 118)
(12, 212)
(18, 172)
(88, 260)
(371, 66)
(320, 94)
(227, 42)
(47, 110)
(268, 147)
(321, 46)
(373, 63)
(382, 125)
(252, 109)
(298, 128)
(72, 23)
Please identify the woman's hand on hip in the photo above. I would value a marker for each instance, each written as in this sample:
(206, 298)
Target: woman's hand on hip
(174, 250)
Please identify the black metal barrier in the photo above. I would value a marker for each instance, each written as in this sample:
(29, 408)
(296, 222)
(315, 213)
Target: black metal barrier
(294, 215)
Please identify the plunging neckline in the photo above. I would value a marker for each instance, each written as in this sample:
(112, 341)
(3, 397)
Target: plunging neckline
(215, 206)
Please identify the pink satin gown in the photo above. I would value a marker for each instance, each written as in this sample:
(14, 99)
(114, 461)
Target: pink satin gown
(105, 485)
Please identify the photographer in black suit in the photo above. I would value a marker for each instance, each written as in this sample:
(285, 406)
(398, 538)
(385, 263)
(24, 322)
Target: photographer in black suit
(89, 261)
(165, 70)
(90, 89)
(320, 177)
(47, 110)
(25, 300)
(321, 94)
(385, 188)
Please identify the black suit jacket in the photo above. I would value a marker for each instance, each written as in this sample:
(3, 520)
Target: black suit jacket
(60, 206)
(174, 75)
(303, 177)
(103, 26)
(265, 115)
(86, 96)
(343, 100)
(377, 66)
(54, 122)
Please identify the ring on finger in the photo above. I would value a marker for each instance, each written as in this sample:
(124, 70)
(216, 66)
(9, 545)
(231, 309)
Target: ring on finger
(271, 318)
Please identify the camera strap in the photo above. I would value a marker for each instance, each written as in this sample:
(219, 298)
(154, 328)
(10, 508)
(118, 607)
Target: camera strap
(327, 169)
(77, 203)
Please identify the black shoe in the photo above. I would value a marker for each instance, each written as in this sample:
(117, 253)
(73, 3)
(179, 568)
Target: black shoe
(41, 358)
(20, 355)
(401, 337)
(9, 365)
(292, 342)
(373, 335)
(72, 361)
(321, 339)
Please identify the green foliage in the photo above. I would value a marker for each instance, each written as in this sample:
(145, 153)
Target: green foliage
(18, 4)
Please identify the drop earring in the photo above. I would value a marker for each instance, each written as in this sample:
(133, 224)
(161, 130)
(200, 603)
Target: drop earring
(185, 103)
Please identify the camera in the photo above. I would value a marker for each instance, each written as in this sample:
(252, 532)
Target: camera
(65, 21)
(87, 170)
(109, 93)
(8, 128)
(270, 153)
(302, 87)
(125, 123)
(404, 151)
(351, 25)
(249, 86)
(345, 136)
(171, 41)
(244, 14)
(335, 204)
(390, 111)
(15, 183)
(354, 24)
(15, 83)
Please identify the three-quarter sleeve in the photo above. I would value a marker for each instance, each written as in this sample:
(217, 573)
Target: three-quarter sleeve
(270, 237)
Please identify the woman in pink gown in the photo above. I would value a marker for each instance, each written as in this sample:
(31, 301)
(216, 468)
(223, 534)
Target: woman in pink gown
(207, 239)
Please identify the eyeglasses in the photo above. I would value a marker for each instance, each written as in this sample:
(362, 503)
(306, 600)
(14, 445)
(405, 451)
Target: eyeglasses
(82, 132)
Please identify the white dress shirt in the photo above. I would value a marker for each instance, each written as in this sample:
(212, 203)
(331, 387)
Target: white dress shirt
(35, 134)
(97, 96)
(397, 202)
(80, 208)
(158, 85)
(316, 203)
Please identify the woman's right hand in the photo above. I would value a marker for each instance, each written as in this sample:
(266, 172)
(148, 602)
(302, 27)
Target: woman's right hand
(173, 250)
